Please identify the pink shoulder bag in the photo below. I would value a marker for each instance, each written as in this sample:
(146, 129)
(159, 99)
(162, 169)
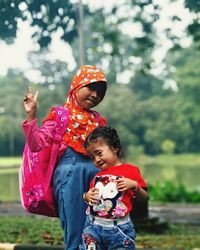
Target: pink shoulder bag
(36, 172)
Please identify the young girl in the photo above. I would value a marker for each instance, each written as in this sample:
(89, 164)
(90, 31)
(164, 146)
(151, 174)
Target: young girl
(75, 169)
(108, 225)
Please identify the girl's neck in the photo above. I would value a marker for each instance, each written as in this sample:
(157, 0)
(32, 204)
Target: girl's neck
(117, 163)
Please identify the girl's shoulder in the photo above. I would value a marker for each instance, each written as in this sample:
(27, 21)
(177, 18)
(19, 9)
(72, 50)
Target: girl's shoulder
(131, 166)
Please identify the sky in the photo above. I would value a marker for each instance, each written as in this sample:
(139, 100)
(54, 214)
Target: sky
(15, 55)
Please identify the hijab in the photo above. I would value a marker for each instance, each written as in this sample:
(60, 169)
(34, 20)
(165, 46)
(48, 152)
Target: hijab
(81, 121)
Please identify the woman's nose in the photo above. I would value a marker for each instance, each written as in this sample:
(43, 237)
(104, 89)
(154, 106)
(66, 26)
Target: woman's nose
(94, 93)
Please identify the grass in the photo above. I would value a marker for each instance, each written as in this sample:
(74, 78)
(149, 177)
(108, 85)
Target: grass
(10, 161)
(9, 170)
(47, 231)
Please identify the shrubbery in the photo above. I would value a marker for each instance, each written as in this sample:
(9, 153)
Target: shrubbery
(169, 192)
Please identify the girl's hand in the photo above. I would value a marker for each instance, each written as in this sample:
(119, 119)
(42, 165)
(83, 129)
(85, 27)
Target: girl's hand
(30, 104)
(125, 183)
(92, 196)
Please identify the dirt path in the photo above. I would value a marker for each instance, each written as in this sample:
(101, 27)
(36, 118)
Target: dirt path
(177, 213)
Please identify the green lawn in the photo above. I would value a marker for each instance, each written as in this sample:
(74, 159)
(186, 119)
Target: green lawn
(10, 161)
(47, 231)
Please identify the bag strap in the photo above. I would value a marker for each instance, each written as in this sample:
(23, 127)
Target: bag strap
(62, 119)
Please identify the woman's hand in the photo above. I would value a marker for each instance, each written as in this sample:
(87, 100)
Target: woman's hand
(30, 104)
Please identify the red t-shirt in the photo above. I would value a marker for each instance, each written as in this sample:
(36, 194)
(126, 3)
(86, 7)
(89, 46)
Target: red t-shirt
(111, 202)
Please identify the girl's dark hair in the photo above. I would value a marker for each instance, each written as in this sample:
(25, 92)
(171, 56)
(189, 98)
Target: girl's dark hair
(109, 135)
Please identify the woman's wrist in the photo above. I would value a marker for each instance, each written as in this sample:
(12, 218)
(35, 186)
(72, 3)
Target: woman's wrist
(30, 116)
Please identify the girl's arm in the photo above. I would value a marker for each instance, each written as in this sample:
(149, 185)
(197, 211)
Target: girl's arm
(37, 138)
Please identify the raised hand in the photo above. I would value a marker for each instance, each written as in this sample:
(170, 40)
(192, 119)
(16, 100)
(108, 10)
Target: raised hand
(30, 104)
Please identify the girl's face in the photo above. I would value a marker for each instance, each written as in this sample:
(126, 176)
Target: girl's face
(91, 95)
(102, 154)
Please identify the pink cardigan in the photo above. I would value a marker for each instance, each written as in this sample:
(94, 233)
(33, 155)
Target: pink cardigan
(40, 137)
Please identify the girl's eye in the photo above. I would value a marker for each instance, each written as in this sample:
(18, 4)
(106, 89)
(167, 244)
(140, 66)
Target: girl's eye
(99, 153)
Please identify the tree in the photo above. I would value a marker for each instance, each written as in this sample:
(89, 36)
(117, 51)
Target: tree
(146, 85)
(107, 41)
(13, 88)
(46, 16)
(53, 72)
(187, 74)
(194, 27)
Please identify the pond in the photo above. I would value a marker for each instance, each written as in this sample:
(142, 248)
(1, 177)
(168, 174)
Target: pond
(187, 176)
(9, 184)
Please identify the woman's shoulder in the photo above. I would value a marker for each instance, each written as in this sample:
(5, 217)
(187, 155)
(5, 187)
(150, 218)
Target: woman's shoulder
(55, 111)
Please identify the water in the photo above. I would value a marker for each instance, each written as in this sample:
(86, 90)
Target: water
(156, 173)
(9, 184)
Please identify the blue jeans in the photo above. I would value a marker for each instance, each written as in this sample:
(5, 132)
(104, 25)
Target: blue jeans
(109, 236)
(71, 179)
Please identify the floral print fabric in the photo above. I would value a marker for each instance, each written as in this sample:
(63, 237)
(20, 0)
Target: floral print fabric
(81, 121)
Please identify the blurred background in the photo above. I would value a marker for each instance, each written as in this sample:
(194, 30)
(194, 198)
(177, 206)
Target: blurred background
(150, 52)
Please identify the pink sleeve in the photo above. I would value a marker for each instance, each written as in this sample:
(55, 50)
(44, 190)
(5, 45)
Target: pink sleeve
(38, 137)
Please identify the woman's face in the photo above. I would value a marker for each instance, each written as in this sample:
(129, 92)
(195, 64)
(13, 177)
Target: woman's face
(91, 95)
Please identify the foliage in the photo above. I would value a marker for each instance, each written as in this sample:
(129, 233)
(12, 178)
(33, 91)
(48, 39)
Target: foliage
(187, 77)
(46, 16)
(46, 231)
(142, 122)
(36, 231)
(107, 42)
(53, 73)
(169, 192)
(145, 113)
(193, 28)
(168, 146)
(11, 134)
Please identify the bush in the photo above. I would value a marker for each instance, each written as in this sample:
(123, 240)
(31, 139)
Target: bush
(168, 146)
(169, 192)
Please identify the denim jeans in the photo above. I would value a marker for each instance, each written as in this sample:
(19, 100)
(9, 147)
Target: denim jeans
(110, 237)
(71, 179)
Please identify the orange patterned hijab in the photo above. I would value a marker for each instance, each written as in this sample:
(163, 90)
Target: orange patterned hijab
(81, 121)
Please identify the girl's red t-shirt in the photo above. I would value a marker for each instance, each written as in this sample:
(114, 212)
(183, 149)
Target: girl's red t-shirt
(111, 202)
